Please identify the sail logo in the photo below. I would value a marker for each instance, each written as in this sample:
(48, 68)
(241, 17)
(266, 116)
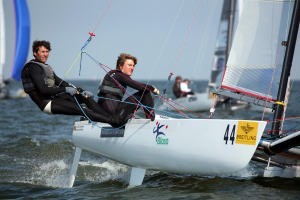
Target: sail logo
(160, 138)
(246, 132)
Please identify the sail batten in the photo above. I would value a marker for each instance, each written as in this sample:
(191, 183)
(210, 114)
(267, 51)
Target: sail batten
(252, 67)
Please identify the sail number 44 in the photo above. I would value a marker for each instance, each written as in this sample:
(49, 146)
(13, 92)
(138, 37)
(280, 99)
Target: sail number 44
(232, 134)
(244, 133)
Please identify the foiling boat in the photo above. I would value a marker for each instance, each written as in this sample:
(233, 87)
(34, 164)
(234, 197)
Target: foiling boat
(216, 146)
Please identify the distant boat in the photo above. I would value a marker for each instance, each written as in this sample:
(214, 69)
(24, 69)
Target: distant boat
(22, 39)
(191, 103)
(205, 100)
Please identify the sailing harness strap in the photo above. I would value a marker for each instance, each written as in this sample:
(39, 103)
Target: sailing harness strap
(109, 87)
(48, 76)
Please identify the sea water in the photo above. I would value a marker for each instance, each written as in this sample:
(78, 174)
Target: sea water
(36, 154)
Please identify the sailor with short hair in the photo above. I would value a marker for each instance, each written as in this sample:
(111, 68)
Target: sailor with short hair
(54, 95)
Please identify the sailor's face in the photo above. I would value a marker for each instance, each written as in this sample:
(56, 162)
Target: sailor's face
(128, 67)
(42, 54)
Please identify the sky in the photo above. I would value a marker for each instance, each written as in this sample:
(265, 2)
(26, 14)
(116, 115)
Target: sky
(167, 36)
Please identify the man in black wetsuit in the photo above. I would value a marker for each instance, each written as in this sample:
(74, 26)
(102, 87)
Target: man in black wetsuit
(54, 95)
(113, 88)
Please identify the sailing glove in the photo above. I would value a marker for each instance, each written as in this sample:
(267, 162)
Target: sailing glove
(155, 91)
(87, 94)
(71, 91)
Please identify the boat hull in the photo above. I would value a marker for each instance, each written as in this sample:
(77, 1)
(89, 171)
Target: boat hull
(191, 103)
(190, 146)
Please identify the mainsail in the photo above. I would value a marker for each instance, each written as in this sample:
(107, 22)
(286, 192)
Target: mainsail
(2, 41)
(229, 20)
(13, 12)
(254, 63)
(22, 37)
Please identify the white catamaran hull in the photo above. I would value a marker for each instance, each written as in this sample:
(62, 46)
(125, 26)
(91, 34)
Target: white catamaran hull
(192, 103)
(188, 146)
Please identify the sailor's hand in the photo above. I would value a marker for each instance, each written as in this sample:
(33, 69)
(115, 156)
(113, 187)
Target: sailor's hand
(79, 89)
(155, 91)
(71, 91)
(87, 94)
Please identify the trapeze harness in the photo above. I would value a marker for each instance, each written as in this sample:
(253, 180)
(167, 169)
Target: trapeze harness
(43, 101)
(110, 93)
(109, 86)
(48, 91)
(112, 89)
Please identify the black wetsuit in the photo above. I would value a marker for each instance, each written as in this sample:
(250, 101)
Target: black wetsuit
(112, 90)
(33, 79)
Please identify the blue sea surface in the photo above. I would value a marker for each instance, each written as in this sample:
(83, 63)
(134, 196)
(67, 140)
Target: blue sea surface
(36, 154)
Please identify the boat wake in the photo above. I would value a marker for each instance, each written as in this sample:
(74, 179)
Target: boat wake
(55, 173)
(101, 172)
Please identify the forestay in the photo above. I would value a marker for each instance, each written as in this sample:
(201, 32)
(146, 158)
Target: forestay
(254, 63)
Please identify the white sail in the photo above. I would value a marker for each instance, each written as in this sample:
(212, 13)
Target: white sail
(2, 41)
(13, 52)
(252, 66)
(231, 8)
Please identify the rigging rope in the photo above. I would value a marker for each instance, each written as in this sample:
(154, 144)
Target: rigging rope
(80, 107)
(187, 34)
(165, 44)
(106, 68)
(279, 51)
(100, 64)
(83, 48)
(176, 106)
(105, 11)
(178, 57)
(137, 101)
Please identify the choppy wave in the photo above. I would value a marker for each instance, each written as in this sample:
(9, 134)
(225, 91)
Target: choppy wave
(36, 154)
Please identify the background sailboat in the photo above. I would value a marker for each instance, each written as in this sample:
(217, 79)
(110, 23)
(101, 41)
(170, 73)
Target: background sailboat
(199, 101)
(9, 83)
(203, 101)
(227, 27)
(231, 13)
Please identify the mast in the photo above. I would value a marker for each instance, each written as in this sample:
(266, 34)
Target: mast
(287, 64)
